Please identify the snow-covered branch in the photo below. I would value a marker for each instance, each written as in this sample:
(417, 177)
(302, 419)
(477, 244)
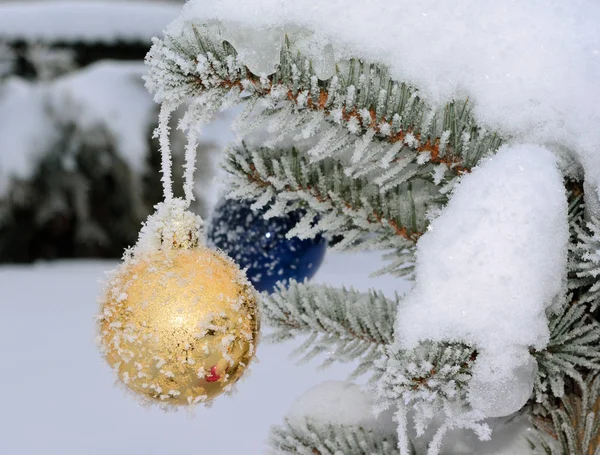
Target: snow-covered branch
(574, 332)
(572, 350)
(584, 263)
(360, 113)
(328, 439)
(346, 324)
(426, 379)
(352, 209)
(574, 425)
(336, 417)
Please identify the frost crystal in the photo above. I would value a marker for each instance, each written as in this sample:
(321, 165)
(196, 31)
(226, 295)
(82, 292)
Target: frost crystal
(487, 270)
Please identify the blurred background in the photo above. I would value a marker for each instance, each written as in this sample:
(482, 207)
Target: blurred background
(78, 165)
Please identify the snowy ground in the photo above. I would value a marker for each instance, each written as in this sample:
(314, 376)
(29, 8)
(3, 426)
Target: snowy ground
(59, 397)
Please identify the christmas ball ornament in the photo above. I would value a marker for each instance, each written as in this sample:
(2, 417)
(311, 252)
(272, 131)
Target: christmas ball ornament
(179, 322)
(261, 245)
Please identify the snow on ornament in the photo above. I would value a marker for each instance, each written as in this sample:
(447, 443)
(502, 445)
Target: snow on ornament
(489, 268)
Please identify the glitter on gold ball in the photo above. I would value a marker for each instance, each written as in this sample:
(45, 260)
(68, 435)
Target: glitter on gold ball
(179, 326)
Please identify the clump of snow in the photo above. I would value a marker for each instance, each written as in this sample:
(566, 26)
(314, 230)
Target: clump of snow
(530, 69)
(502, 382)
(340, 403)
(90, 21)
(260, 49)
(488, 269)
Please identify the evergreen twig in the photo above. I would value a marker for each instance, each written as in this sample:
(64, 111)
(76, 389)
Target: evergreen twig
(315, 438)
(573, 426)
(346, 324)
(352, 209)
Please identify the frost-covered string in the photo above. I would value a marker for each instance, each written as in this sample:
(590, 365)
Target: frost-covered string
(199, 113)
(190, 167)
(162, 132)
(401, 420)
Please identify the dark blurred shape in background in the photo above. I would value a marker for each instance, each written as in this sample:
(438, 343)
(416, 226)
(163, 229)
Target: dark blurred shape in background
(79, 170)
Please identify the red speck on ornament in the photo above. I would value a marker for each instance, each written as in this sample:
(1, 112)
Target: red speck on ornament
(213, 376)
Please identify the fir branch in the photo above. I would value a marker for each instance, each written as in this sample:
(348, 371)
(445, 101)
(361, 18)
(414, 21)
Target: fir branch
(426, 379)
(346, 324)
(353, 209)
(327, 183)
(575, 424)
(584, 261)
(314, 438)
(348, 107)
(571, 352)
(439, 371)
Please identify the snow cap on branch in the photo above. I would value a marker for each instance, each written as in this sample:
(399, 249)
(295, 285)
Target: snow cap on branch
(488, 269)
(530, 69)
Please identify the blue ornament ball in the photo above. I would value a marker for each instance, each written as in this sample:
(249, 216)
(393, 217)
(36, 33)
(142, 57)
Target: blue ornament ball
(261, 245)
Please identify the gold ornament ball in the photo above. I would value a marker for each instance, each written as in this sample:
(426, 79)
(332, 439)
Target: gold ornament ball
(179, 326)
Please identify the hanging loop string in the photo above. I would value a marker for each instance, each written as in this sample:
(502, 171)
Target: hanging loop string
(162, 132)
(196, 116)
(190, 167)
(401, 419)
